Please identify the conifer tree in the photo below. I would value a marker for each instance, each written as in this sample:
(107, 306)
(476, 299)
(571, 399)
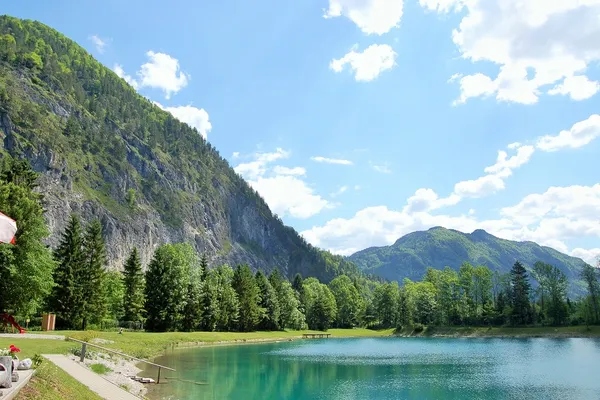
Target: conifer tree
(269, 302)
(133, 280)
(192, 312)
(65, 299)
(249, 298)
(25, 269)
(91, 276)
(521, 307)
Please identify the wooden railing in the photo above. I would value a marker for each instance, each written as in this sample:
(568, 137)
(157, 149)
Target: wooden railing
(84, 349)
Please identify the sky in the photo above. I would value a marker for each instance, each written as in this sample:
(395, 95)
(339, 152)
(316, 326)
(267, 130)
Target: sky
(360, 121)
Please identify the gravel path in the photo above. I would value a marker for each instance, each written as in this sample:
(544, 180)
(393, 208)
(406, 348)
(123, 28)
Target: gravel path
(31, 336)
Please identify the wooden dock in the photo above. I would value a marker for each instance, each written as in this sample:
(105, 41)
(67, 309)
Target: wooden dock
(315, 335)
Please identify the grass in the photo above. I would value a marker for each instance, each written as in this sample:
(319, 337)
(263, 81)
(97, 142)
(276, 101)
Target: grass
(148, 345)
(100, 369)
(52, 383)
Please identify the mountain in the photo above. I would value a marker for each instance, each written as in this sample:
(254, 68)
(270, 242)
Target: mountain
(439, 247)
(106, 152)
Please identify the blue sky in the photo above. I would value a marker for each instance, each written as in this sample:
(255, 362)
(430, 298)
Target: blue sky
(362, 120)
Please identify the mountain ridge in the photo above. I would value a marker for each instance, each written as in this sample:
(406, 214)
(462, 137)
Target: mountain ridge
(106, 152)
(438, 247)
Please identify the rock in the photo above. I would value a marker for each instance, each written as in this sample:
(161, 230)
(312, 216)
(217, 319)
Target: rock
(5, 372)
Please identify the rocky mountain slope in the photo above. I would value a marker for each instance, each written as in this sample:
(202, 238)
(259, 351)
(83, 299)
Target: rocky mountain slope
(106, 152)
(439, 247)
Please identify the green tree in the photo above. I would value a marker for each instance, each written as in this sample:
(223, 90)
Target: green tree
(249, 298)
(91, 277)
(291, 316)
(554, 285)
(421, 301)
(321, 308)
(166, 287)
(228, 305)
(65, 299)
(113, 292)
(385, 301)
(133, 282)
(589, 275)
(26, 268)
(521, 307)
(348, 300)
(203, 266)
(192, 312)
(269, 302)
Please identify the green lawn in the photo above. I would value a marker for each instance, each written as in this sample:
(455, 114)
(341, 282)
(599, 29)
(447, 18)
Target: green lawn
(147, 345)
(52, 383)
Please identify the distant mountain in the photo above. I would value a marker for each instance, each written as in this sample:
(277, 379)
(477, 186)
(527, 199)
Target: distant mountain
(439, 247)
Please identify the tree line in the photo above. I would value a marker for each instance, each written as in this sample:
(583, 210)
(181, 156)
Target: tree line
(178, 291)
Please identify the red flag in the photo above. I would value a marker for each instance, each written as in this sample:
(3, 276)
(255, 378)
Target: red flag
(8, 228)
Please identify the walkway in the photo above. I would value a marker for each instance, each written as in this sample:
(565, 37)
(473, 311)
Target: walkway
(104, 388)
(31, 336)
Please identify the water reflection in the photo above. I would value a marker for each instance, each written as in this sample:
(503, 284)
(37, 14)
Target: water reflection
(388, 369)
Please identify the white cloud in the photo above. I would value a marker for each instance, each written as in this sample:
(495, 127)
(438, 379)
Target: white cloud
(590, 256)
(99, 43)
(426, 200)
(578, 87)
(121, 74)
(580, 134)
(281, 187)
(326, 160)
(367, 65)
(194, 117)
(340, 191)
(296, 171)
(550, 219)
(371, 16)
(356, 187)
(162, 72)
(381, 168)
(258, 167)
(235, 154)
(496, 174)
(534, 43)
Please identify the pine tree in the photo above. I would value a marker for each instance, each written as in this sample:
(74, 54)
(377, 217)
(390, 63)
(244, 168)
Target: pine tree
(166, 287)
(133, 280)
(91, 276)
(203, 267)
(249, 298)
(269, 303)
(521, 307)
(589, 275)
(66, 299)
(25, 269)
(192, 312)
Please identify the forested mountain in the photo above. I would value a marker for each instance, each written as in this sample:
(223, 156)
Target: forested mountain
(440, 247)
(106, 152)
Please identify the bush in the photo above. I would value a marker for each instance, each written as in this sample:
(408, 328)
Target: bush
(418, 328)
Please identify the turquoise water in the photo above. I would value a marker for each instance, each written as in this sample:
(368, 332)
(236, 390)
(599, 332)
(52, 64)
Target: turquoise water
(387, 368)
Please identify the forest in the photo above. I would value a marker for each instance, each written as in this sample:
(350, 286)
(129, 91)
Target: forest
(179, 291)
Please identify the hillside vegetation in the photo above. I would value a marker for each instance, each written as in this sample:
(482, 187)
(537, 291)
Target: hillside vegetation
(106, 152)
(438, 247)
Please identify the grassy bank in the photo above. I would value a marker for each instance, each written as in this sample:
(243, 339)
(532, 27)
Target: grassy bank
(506, 332)
(148, 345)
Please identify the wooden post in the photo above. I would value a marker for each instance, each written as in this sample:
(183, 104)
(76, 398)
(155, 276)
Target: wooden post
(83, 348)
(158, 379)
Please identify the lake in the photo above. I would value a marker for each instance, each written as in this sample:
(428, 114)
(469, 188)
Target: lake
(386, 368)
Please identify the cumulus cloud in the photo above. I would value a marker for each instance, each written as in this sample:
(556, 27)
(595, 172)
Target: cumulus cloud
(121, 73)
(371, 16)
(580, 134)
(162, 72)
(281, 187)
(194, 117)
(99, 43)
(366, 65)
(326, 160)
(340, 191)
(535, 44)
